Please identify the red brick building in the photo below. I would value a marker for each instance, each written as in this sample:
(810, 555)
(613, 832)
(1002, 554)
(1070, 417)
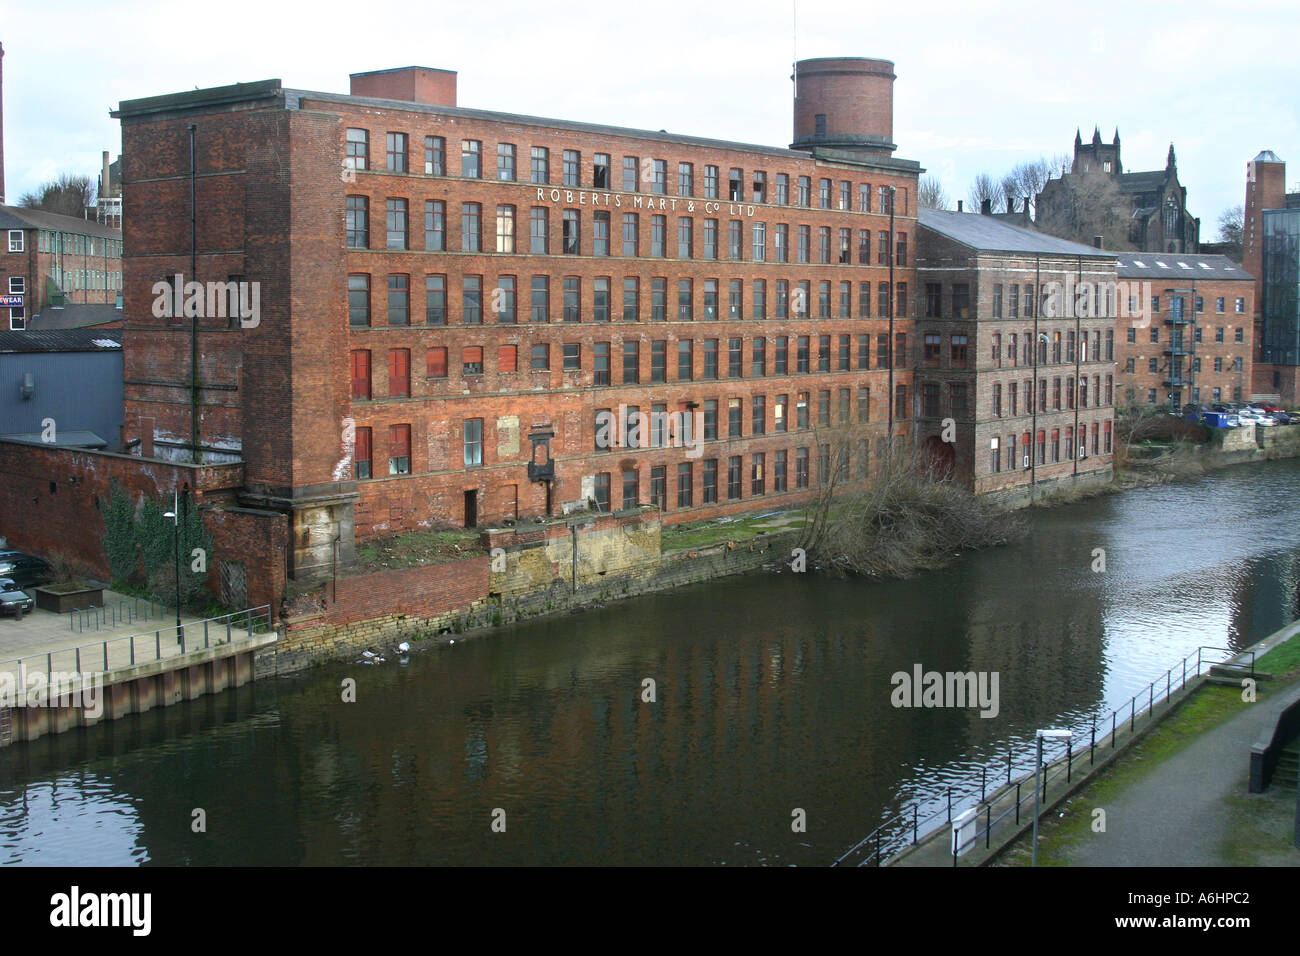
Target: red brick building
(450, 302)
(52, 267)
(1016, 362)
(1191, 337)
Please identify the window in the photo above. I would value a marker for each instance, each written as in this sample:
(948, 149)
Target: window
(540, 299)
(472, 300)
(735, 357)
(601, 491)
(572, 299)
(686, 299)
(734, 413)
(1238, 335)
(473, 442)
(358, 222)
(631, 172)
(362, 454)
(760, 187)
(1240, 306)
(471, 226)
(735, 240)
(710, 419)
(782, 189)
(435, 362)
(541, 164)
(659, 236)
(801, 354)
(758, 414)
(900, 401)
(733, 477)
(399, 373)
(685, 497)
(659, 360)
(631, 481)
(823, 353)
(709, 484)
(658, 300)
(736, 185)
(571, 239)
(824, 193)
(435, 156)
(824, 244)
(757, 478)
(631, 299)
(631, 362)
(600, 234)
(572, 167)
(710, 182)
(959, 351)
(361, 374)
(930, 349)
(805, 240)
(758, 241)
(470, 155)
(824, 407)
(399, 300)
(801, 468)
(396, 149)
(805, 191)
(506, 162)
(435, 225)
(685, 238)
(760, 299)
(506, 228)
(864, 197)
(358, 300)
(600, 352)
(540, 358)
(396, 223)
(659, 180)
(538, 227)
(399, 449)
(685, 179)
(631, 232)
(435, 300)
(685, 359)
(735, 299)
(357, 157)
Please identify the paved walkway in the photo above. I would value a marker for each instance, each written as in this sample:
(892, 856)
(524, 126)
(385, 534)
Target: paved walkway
(1192, 809)
(134, 633)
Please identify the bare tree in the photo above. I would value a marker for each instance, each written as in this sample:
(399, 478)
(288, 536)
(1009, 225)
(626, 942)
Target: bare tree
(1231, 228)
(982, 188)
(931, 194)
(68, 195)
(1082, 206)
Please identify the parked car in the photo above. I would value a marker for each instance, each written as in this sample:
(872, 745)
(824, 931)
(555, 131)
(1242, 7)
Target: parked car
(1267, 407)
(1283, 418)
(25, 570)
(15, 602)
(1266, 421)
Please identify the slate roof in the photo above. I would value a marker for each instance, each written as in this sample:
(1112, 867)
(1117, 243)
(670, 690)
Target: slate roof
(73, 438)
(19, 217)
(61, 340)
(78, 315)
(1144, 182)
(1173, 265)
(988, 233)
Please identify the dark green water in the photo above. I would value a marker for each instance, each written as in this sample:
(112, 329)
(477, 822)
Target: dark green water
(773, 693)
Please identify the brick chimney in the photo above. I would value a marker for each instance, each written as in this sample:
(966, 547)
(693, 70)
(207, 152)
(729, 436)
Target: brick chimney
(986, 207)
(410, 84)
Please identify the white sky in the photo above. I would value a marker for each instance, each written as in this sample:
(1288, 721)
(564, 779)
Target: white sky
(980, 86)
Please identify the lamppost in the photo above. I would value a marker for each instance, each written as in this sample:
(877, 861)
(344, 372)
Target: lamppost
(175, 515)
(1057, 734)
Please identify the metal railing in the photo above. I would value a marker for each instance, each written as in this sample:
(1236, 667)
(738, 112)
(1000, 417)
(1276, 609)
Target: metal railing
(146, 646)
(125, 611)
(892, 835)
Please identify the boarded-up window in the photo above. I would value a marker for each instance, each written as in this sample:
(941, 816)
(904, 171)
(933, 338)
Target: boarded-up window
(507, 358)
(362, 453)
(471, 358)
(399, 373)
(361, 373)
(437, 362)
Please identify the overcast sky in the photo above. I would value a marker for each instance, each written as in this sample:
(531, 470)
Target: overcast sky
(980, 86)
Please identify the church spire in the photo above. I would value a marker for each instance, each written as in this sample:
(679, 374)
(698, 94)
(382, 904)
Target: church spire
(1116, 143)
(1078, 139)
(1096, 136)
(1170, 163)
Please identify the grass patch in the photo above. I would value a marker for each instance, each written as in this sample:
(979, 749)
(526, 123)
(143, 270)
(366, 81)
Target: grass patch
(694, 537)
(417, 548)
(1281, 659)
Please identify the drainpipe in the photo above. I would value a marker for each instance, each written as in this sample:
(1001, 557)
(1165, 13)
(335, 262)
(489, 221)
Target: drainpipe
(573, 553)
(1037, 302)
(194, 319)
(1078, 352)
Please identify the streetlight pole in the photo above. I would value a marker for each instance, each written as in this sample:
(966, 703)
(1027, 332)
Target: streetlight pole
(1038, 769)
(175, 515)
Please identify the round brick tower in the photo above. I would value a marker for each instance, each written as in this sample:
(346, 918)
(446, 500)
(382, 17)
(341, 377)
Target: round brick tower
(844, 103)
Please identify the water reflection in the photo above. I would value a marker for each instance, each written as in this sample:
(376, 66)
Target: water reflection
(772, 694)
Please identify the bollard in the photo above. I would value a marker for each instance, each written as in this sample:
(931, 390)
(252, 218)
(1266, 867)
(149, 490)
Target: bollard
(1092, 744)
(1017, 803)
(106, 656)
(1008, 768)
(78, 660)
(914, 809)
(157, 645)
(1069, 760)
(1151, 698)
(983, 773)
(950, 804)
(1132, 713)
(1112, 729)
(988, 825)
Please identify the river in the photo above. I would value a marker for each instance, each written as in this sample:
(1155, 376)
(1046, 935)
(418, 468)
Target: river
(772, 705)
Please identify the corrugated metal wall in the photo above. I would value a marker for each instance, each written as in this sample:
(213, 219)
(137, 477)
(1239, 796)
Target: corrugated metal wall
(77, 389)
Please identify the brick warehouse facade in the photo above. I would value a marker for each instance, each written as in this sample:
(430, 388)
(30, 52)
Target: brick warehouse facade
(1026, 380)
(1175, 353)
(443, 289)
